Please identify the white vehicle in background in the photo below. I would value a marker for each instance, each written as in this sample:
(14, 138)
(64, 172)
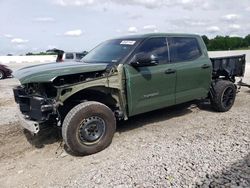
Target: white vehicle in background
(67, 56)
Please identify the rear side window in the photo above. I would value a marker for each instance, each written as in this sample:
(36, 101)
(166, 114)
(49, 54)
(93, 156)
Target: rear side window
(183, 49)
(156, 47)
(69, 56)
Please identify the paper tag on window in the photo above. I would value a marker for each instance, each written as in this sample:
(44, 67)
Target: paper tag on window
(128, 42)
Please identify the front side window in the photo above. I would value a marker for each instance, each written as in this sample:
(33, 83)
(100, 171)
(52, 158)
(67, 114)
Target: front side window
(183, 49)
(156, 47)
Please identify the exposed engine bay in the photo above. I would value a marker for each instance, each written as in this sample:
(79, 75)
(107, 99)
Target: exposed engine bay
(76, 78)
(38, 101)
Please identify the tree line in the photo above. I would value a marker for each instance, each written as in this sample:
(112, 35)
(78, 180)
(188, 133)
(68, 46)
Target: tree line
(227, 43)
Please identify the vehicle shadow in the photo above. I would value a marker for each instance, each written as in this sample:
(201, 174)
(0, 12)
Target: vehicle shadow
(46, 137)
(237, 175)
(155, 116)
(205, 105)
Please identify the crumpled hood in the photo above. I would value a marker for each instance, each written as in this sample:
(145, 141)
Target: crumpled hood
(49, 71)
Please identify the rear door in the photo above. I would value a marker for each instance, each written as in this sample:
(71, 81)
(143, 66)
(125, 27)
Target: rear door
(193, 68)
(151, 87)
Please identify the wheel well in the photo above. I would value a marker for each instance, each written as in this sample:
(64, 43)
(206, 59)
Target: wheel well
(98, 94)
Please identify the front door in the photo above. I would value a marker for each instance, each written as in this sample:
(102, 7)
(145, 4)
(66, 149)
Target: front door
(151, 87)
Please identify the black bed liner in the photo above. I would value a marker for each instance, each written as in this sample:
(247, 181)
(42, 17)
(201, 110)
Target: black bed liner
(229, 67)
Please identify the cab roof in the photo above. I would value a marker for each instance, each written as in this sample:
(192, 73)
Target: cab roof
(149, 35)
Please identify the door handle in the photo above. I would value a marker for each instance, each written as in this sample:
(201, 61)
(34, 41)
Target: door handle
(170, 71)
(205, 66)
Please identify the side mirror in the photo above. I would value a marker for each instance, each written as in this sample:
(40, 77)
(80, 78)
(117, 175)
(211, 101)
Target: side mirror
(142, 60)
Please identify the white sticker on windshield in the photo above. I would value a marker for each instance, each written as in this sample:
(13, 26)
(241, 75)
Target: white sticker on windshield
(128, 42)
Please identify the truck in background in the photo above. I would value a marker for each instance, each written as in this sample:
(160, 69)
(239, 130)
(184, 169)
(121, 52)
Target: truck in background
(63, 56)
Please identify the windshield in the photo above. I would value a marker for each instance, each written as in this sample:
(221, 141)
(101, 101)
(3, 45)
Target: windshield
(112, 51)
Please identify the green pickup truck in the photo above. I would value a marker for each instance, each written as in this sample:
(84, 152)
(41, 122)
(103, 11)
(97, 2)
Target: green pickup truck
(121, 78)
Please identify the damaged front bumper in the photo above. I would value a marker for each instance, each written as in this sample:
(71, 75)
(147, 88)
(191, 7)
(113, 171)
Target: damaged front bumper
(35, 111)
(30, 125)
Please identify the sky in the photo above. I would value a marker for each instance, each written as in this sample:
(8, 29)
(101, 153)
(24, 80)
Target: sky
(78, 25)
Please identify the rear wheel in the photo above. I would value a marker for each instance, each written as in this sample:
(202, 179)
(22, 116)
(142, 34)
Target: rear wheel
(2, 76)
(89, 128)
(224, 96)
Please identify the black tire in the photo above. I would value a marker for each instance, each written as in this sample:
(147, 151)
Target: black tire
(88, 128)
(2, 75)
(224, 93)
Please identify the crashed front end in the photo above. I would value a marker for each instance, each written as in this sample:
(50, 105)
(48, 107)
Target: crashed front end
(38, 109)
(39, 94)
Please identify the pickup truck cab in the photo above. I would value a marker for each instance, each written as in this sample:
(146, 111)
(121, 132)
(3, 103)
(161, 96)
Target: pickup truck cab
(121, 78)
(73, 56)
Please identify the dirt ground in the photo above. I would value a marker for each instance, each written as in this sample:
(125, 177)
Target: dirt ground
(184, 146)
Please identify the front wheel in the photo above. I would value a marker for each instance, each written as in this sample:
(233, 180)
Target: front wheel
(224, 93)
(89, 128)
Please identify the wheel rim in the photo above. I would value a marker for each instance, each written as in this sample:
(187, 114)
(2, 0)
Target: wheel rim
(91, 130)
(228, 97)
(1, 75)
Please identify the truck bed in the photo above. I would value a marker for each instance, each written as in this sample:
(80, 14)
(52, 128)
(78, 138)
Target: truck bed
(229, 67)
